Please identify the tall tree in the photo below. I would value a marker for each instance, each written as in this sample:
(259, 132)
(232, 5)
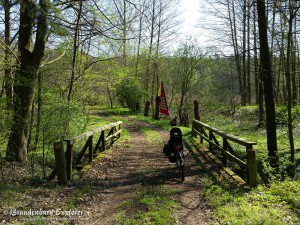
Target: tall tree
(234, 37)
(30, 59)
(267, 78)
(75, 50)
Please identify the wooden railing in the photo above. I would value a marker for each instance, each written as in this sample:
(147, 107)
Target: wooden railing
(209, 134)
(96, 141)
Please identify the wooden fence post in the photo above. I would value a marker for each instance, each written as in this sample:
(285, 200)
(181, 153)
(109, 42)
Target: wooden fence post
(60, 163)
(69, 157)
(252, 166)
(196, 110)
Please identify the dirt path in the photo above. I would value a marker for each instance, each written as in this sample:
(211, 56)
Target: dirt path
(128, 169)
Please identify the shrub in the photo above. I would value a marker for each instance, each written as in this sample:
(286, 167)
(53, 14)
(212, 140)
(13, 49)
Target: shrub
(129, 92)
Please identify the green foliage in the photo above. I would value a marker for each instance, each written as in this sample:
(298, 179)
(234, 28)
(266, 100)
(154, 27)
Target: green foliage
(285, 191)
(62, 120)
(129, 92)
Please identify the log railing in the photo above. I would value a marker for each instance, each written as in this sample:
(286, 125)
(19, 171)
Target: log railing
(209, 134)
(96, 141)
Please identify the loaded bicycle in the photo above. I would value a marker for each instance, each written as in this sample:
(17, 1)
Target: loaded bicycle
(174, 149)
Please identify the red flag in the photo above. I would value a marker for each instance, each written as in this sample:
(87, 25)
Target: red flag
(163, 106)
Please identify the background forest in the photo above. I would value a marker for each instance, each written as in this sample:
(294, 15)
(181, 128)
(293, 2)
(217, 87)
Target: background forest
(61, 58)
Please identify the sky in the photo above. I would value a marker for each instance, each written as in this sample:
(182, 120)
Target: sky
(190, 14)
(197, 22)
(194, 18)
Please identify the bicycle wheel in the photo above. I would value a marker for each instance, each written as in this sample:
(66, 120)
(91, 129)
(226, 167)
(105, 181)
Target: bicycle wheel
(180, 164)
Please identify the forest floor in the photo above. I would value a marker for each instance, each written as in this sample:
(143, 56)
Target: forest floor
(108, 192)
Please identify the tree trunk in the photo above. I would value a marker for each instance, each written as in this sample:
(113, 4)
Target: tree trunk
(139, 41)
(75, 48)
(261, 103)
(249, 94)
(235, 47)
(147, 108)
(156, 113)
(8, 77)
(256, 65)
(293, 63)
(267, 77)
(30, 59)
(244, 76)
(289, 90)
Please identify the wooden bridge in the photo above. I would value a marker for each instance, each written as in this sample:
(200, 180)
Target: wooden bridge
(96, 141)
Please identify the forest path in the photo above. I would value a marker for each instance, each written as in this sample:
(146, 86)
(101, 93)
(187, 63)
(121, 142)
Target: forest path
(130, 168)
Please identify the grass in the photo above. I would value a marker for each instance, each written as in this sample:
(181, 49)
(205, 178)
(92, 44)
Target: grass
(155, 206)
(257, 206)
(152, 136)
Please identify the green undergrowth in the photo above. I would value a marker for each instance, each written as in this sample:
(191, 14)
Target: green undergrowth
(154, 205)
(277, 205)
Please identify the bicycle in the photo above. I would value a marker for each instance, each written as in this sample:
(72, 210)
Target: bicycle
(179, 156)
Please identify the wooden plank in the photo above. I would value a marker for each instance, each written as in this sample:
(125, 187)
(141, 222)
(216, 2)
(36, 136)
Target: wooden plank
(85, 147)
(90, 140)
(87, 134)
(228, 154)
(232, 174)
(113, 135)
(230, 149)
(97, 146)
(102, 138)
